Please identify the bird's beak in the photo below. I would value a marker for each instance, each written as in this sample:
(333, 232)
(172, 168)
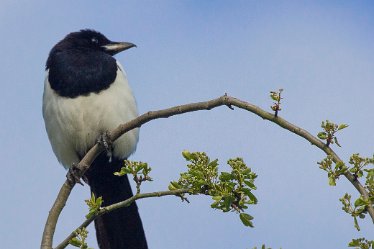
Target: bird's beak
(116, 47)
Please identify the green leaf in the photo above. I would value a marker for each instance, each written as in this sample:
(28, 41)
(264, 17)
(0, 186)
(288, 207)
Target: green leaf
(340, 166)
(187, 155)
(274, 96)
(174, 185)
(332, 181)
(225, 176)
(171, 187)
(250, 184)
(213, 163)
(246, 219)
(336, 141)
(354, 243)
(122, 172)
(356, 223)
(75, 242)
(247, 172)
(360, 202)
(217, 197)
(94, 205)
(227, 203)
(342, 126)
(322, 135)
(250, 195)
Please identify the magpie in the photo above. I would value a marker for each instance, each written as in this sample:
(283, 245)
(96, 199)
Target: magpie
(86, 93)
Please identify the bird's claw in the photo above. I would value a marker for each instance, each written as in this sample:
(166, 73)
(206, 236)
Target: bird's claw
(75, 173)
(105, 141)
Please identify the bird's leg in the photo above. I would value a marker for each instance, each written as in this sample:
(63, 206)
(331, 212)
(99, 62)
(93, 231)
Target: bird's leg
(75, 173)
(105, 141)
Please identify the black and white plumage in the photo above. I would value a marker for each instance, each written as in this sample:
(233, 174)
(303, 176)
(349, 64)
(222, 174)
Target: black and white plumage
(86, 93)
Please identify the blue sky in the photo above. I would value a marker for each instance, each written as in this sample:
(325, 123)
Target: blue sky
(320, 52)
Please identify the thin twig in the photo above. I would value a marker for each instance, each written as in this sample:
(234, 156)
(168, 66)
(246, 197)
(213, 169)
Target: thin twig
(118, 205)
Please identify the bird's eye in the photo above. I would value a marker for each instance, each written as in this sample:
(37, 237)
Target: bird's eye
(94, 40)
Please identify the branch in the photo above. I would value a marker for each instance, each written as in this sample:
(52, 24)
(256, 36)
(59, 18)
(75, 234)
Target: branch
(226, 100)
(118, 205)
(312, 139)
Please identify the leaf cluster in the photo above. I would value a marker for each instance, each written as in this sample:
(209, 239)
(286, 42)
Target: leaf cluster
(230, 191)
(329, 130)
(139, 170)
(80, 239)
(333, 171)
(359, 163)
(94, 205)
(358, 209)
(360, 169)
(276, 97)
(362, 243)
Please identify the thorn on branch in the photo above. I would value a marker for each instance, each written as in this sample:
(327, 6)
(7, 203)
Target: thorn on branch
(226, 101)
(230, 106)
(183, 198)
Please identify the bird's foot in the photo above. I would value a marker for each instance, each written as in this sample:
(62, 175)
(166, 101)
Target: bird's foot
(105, 141)
(75, 173)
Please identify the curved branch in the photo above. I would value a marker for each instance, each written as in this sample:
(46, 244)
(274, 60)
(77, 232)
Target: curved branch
(87, 160)
(54, 213)
(312, 139)
(177, 110)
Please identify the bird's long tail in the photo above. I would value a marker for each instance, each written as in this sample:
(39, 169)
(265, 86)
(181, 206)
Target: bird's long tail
(122, 228)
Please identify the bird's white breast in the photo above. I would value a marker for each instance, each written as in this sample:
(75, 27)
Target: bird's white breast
(74, 124)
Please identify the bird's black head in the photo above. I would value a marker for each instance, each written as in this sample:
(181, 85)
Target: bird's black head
(88, 39)
(83, 62)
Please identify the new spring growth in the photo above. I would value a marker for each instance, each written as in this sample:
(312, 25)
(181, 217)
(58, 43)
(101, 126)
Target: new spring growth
(94, 205)
(139, 170)
(80, 239)
(276, 96)
(230, 191)
(360, 167)
(329, 130)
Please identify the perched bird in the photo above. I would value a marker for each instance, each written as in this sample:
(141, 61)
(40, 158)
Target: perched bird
(86, 94)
